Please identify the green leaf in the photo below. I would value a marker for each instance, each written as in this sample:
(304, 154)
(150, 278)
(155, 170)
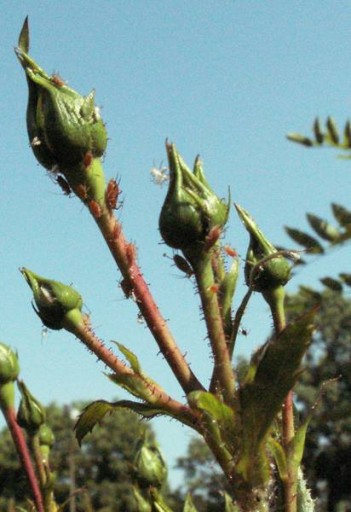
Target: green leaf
(342, 215)
(218, 412)
(347, 135)
(90, 416)
(323, 228)
(279, 457)
(346, 278)
(318, 131)
(300, 139)
(311, 244)
(23, 39)
(333, 134)
(131, 358)
(332, 284)
(276, 374)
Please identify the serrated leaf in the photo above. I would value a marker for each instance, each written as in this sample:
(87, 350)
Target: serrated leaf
(309, 242)
(332, 284)
(323, 228)
(279, 457)
(189, 504)
(135, 384)
(342, 215)
(300, 139)
(333, 133)
(90, 416)
(23, 39)
(346, 278)
(319, 136)
(130, 356)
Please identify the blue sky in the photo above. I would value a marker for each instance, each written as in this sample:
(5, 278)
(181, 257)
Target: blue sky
(226, 79)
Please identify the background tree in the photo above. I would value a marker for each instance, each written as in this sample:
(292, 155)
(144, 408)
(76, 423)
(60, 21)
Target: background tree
(99, 474)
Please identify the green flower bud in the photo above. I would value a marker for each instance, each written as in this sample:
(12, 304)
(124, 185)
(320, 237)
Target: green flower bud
(31, 414)
(46, 441)
(9, 370)
(57, 303)
(62, 125)
(265, 268)
(150, 466)
(191, 209)
(9, 366)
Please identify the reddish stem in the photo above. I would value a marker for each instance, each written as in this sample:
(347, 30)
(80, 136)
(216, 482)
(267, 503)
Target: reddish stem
(24, 456)
(125, 257)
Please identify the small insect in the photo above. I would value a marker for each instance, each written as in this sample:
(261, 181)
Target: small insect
(95, 209)
(87, 159)
(182, 264)
(57, 80)
(244, 332)
(159, 175)
(111, 194)
(212, 237)
(81, 191)
(35, 142)
(214, 288)
(62, 183)
(231, 252)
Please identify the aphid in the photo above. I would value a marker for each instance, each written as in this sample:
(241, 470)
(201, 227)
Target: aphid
(95, 209)
(57, 80)
(87, 159)
(182, 264)
(244, 332)
(66, 189)
(159, 175)
(111, 194)
(231, 252)
(126, 288)
(81, 191)
(214, 288)
(212, 237)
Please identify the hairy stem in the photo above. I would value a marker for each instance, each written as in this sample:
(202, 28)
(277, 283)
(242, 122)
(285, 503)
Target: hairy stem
(275, 299)
(156, 396)
(124, 254)
(24, 456)
(223, 373)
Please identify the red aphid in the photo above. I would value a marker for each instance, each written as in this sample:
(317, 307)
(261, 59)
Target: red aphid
(231, 252)
(81, 191)
(212, 237)
(66, 189)
(111, 194)
(87, 159)
(95, 209)
(57, 80)
(214, 288)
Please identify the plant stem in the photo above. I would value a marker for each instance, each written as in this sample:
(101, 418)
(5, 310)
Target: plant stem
(125, 257)
(223, 373)
(275, 299)
(158, 397)
(24, 456)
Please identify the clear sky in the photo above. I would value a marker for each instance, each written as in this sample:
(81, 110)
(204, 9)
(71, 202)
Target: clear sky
(223, 78)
